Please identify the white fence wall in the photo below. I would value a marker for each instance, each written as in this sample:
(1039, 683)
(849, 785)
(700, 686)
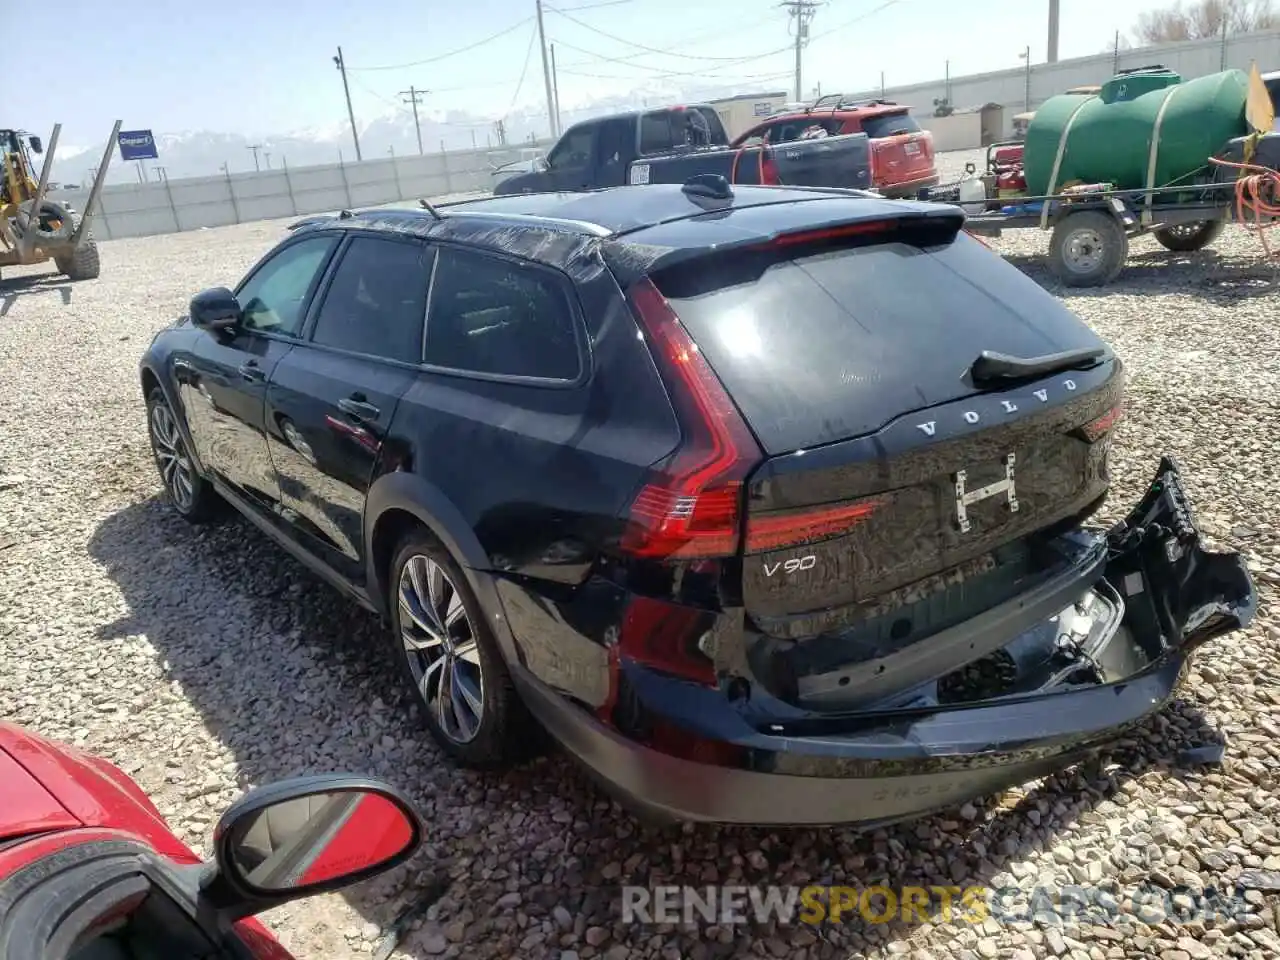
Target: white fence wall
(1194, 58)
(140, 210)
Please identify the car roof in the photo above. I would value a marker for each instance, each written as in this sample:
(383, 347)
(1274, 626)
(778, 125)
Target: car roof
(611, 212)
(639, 228)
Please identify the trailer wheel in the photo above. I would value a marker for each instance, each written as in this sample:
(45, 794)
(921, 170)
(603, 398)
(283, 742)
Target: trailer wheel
(1088, 249)
(82, 263)
(1186, 237)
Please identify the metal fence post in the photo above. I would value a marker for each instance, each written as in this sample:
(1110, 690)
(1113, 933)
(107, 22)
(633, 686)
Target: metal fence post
(173, 207)
(231, 192)
(346, 187)
(395, 175)
(444, 161)
(288, 184)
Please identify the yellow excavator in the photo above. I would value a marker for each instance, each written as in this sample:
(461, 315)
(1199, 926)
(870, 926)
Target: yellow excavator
(35, 228)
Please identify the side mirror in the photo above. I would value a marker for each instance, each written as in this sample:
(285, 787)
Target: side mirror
(540, 164)
(306, 836)
(37, 145)
(216, 309)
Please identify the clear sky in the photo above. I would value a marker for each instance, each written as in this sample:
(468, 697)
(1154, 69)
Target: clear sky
(265, 66)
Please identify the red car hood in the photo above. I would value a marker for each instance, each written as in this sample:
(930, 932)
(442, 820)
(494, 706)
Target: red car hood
(51, 786)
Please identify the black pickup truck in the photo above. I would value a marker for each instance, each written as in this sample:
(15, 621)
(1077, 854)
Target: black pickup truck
(673, 144)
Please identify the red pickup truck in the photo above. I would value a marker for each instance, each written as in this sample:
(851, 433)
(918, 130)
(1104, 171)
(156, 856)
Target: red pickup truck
(901, 152)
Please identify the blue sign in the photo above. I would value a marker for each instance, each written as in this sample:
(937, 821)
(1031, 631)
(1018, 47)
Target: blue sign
(137, 145)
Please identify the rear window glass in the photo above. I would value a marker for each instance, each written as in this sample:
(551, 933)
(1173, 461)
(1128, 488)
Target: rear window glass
(889, 125)
(835, 344)
(665, 130)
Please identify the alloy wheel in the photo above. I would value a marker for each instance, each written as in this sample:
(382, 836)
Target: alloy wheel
(440, 645)
(172, 458)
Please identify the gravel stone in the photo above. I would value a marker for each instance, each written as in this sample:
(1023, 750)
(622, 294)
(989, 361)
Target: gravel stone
(204, 662)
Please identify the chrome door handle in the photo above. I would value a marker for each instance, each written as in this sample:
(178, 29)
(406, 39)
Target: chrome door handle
(251, 371)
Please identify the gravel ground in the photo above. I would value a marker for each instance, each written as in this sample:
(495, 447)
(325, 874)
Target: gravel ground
(205, 662)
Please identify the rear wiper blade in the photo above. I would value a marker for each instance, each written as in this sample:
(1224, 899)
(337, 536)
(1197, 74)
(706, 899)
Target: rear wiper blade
(1000, 366)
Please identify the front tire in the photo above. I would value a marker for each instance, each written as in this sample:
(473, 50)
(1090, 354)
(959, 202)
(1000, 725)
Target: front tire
(451, 661)
(189, 493)
(83, 263)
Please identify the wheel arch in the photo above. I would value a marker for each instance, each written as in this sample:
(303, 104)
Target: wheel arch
(150, 379)
(399, 501)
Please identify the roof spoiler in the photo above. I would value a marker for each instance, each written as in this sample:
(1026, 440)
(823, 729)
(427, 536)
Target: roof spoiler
(916, 223)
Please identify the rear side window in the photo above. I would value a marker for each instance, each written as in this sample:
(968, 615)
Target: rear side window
(889, 125)
(492, 315)
(665, 130)
(377, 300)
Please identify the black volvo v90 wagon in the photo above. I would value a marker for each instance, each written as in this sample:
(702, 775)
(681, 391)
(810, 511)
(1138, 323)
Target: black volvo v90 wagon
(769, 504)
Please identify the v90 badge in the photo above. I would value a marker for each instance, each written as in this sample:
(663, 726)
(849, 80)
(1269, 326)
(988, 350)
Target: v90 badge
(794, 565)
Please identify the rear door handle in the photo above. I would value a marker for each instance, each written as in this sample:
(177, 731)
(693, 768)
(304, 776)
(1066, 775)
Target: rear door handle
(360, 409)
(251, 371)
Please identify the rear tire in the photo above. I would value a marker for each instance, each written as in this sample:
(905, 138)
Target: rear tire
(1088, 249)
(83, 263)
(1188, 237)
(450, 660)
(190, 494)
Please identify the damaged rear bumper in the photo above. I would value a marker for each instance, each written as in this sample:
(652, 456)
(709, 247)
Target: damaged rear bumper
(745, 761)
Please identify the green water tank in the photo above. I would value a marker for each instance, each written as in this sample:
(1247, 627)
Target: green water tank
(1110, 138)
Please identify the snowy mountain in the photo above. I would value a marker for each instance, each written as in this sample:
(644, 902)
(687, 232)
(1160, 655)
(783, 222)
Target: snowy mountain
(203, 153)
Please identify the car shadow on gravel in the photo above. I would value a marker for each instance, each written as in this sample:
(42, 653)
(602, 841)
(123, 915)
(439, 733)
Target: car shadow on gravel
(14, 289)
(292, 679)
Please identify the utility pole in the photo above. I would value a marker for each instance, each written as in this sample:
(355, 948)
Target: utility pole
(546, 73)
(351, 114)
(1115, 56)
(1051, 54)
(266, 155)
(414, 96)
(500, 131)
(555, 85)
(255, 147)
(801, 12)
(1222, 58)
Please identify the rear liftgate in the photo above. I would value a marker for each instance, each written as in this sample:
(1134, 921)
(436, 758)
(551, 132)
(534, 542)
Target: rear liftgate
(1117, 603)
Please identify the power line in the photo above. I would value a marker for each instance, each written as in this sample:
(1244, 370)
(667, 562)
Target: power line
(255, 147)
(639, 46)
(451, 53)
(528, 55)
(414, 96)
(696, 39)
(674, 73)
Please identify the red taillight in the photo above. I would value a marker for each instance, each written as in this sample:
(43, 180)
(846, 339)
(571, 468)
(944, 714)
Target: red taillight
(831, 233)
(772, 531)
(693, 508)
(1095, 430)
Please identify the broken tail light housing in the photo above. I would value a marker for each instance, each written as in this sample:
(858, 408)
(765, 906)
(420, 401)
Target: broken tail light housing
(692, 507)
(1096, 429)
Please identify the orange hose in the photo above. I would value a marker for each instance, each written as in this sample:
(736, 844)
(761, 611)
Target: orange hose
(1252, 198)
